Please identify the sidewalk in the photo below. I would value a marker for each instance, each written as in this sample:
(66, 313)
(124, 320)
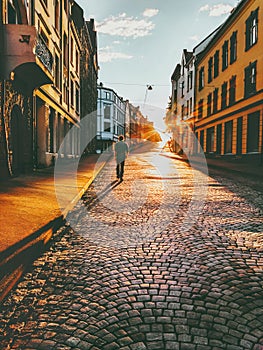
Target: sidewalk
(30, 213)
(252, 169)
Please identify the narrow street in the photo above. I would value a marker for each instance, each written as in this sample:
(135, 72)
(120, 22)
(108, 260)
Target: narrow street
(170, 258)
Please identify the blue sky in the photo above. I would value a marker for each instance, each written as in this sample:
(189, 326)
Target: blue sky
(141, 41)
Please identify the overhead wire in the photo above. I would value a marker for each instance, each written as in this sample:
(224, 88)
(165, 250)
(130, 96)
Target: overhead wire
(107, 82)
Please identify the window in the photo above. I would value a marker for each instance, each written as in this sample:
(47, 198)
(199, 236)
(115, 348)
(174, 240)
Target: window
(107, 95)
(224, 95)
(216, 63)
(233, 47)
(71, 50)
(190, 105)
(183, 112)
(77, 99)
(215, 100)
(225, 55)
(107, 126)
(200, 109)
(228, 136)
(252, 29)
(65, 49)
(201, 78)
(232, 91)
(239, 135)
(77, 61)
(253, 132)
(65, 91)
(107, 111)
(57, 15)
(12, 14)
(182, 89)
(57, 72)
(210, 69)
(210, 137)
(72, 93)
(202, 139)
(250, 79)
(209, 105)
(190, 81)
(219, 139)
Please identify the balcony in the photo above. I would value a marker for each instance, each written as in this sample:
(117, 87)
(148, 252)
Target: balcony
(26, 59)
(43, 53)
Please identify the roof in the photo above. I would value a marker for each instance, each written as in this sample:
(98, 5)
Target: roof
(176, 73)
(188, 55)
(217, 34)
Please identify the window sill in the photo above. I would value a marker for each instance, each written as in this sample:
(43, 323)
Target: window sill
(250, 46)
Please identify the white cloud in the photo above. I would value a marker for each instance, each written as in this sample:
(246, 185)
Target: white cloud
(217, 10)
(204, 8)
(194, 38)
(124, 26)
(150, 12)
(107, 55)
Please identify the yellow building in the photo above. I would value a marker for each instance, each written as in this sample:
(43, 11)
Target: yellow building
(229, 86)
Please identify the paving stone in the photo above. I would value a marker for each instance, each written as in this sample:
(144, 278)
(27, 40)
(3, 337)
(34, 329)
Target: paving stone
(131, 280)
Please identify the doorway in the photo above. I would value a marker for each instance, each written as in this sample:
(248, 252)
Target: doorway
(16, 142)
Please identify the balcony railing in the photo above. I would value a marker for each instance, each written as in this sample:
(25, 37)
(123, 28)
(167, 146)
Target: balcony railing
(43, 53)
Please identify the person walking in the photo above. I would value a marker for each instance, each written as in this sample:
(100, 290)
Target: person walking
(121, 151)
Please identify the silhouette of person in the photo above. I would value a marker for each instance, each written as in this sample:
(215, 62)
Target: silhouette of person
(121, 151)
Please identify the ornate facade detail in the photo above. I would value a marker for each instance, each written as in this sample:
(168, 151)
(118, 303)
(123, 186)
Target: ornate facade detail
(43, 53)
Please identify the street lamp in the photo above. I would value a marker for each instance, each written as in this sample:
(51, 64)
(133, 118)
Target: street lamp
(148, 87)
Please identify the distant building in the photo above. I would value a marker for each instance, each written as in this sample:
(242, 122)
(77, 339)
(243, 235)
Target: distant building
(111, 113)
(139, 127)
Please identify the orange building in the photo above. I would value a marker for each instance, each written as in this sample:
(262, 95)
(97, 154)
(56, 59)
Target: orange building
(229, 86)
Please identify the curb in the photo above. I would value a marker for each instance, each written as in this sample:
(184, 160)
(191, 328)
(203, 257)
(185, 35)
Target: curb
(15, 260)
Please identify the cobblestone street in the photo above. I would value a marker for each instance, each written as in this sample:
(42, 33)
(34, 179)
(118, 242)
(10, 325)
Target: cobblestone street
(167, 259)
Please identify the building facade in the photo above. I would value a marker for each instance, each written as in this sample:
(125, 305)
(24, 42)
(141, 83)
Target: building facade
(88, 77)
(228, 90)
(111, 113)
(229, 86)
(57, 105)
(40, 84)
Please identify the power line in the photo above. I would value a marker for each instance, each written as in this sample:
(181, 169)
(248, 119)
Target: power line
(107, 82)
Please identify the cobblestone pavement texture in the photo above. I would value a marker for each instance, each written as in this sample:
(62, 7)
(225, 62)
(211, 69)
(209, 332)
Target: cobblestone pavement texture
(137, 269)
